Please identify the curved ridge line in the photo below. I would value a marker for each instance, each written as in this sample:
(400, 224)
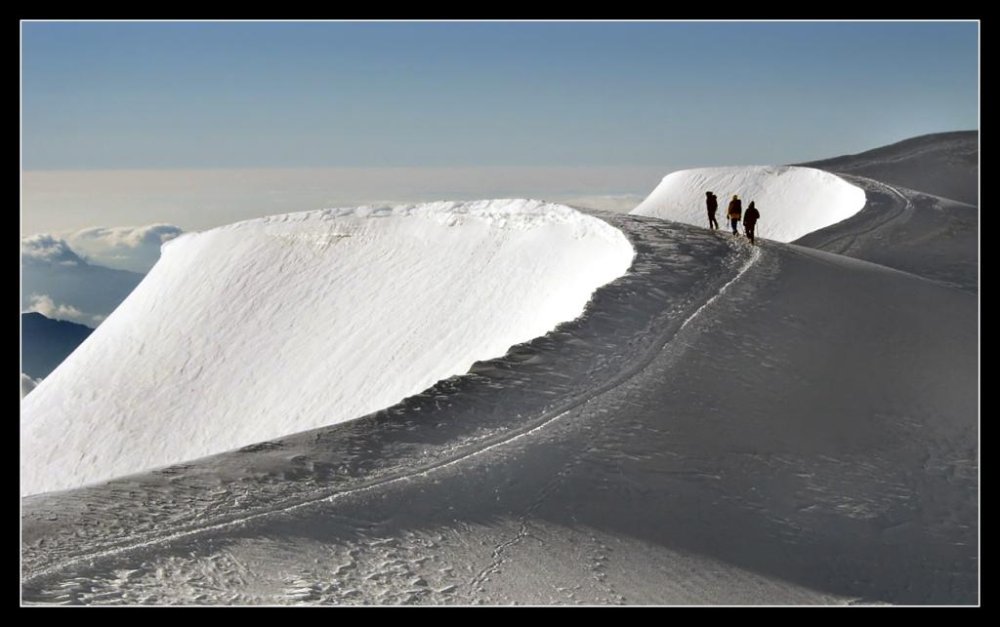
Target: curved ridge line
(854, 235)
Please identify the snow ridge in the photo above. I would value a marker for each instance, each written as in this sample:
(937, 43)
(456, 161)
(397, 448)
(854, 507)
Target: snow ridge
(792, 201)
(273, 326)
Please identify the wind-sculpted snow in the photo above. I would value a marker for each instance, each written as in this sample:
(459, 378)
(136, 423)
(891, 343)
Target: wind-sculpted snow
(724, 424)
(270, 327)
(792, 201)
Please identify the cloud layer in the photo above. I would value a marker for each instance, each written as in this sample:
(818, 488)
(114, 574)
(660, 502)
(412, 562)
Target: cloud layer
(59, 283)
(46, 249)
(133, 248)
(44, 305)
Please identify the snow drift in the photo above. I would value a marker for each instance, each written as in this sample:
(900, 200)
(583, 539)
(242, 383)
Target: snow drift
(273, 326)
(792, 201)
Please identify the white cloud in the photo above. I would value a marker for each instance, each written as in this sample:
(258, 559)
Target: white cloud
(46, 249)
(50, 309)
(134, 248)
(130, 236)
(28, 384)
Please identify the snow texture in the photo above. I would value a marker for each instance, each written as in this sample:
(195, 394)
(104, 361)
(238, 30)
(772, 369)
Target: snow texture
(792, 201)
(940, 164)
(926, 235)
(269, 327)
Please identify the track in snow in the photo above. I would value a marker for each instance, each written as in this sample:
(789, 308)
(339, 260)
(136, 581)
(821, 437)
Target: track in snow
(929, 236)
(526, 423)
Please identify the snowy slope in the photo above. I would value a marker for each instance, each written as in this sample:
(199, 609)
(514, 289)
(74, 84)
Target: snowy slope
(940, 164)
(270, 327)
(725, 424)
(924, 232)
(926, 235)
(792, 201)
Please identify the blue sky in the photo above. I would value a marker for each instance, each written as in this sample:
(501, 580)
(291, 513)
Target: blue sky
(237, 95)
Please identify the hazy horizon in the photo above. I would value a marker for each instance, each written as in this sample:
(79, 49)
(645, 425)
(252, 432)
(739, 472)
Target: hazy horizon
(203, 123)
(58, 201)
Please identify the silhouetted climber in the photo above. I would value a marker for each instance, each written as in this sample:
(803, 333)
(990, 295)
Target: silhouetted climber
(750, 220)
(713, 203)
(735, 212)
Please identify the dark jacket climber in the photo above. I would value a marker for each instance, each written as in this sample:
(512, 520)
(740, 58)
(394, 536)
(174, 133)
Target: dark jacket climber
(713, 204)
(735, 212)
(750, 220)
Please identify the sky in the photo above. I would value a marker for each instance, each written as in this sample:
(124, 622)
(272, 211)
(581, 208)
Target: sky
(615, 96)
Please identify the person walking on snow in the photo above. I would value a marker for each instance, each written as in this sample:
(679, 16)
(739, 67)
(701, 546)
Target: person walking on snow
(750, 220)
(713, 204)
(735, 212)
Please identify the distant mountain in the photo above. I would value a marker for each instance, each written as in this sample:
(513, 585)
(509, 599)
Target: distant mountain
(69, 287)
(942, 164)
(45, 343)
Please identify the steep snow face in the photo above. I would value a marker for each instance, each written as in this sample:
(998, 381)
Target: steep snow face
(269, 327)
(792, 201)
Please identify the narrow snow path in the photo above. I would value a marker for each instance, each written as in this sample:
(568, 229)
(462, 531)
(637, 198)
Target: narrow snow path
(926, 235)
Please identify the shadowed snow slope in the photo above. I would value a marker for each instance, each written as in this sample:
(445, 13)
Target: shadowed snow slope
(925, 232)
(270, 327)
(930, 236)
(942, 164)
(792, 201)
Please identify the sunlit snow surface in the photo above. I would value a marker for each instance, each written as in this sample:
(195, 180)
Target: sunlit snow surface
(273, 326)
(792, 201)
